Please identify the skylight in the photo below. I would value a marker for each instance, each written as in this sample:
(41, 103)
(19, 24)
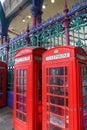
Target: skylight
(2, 1)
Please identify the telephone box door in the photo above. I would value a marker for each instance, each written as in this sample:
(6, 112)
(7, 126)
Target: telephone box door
(83, 97)
(21, 83)
(2, 88)
(57, 79)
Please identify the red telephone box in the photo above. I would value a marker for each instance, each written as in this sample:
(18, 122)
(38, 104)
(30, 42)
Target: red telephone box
(3, 71)
(64, 89)
(28, 89)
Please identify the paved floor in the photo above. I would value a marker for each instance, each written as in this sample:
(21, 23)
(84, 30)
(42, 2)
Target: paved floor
(6, 118)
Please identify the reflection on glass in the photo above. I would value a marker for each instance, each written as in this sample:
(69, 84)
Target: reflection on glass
(24, 101)
(57, 110)
(84, 90)
(24, 91)
(21, 107)
(24, 73)
(57, 91)
(56, 71)
(21, 90)
(24, 118)
(21, 73)
(84, 71)
(66, 91)
(66, 82)
(53, 127)
(20, 116)
(67, 102)
(84, 100)
(57, 100)
(24, 108)
(84, 81)
(21, 98)
(24, 81)
(56, 120)
(16, 114)
(57, 81)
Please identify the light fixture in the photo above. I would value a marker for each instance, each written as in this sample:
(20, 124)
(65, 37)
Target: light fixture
(43, 6)
(23, 20)
(52, 1)
(29, 16)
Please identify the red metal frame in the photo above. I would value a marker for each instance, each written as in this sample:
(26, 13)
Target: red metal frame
(27, 89)
(62, 89)
(3, 72)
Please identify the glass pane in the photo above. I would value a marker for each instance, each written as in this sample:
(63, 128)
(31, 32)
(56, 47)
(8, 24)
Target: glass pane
(21, 73)
(24, 108)
(57, 91)
(66, 71)
(21, 89)
(21, 107)
(20, 81)
(84, 81)
(66, 82)
(24, 81)
(84, 71)
(57, 81)
(25, 73)
(57, 100)
(84, 90)
(24, 100)
(20, 116)
(20, 98)
(84, 100)
(53, 127)
(57, 110)
(24, 118)
(56, 71)
(16, 114)
(67, 91)
(56, 120)
(67, 102)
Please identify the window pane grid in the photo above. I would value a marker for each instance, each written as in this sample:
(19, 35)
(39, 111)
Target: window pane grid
(57, 97)
(21, 95)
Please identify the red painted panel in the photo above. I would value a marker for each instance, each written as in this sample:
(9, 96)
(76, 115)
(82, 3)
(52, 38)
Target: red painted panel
(64, 74)
(28, 89)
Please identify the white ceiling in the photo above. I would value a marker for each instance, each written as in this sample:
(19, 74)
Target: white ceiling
(17, 26)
